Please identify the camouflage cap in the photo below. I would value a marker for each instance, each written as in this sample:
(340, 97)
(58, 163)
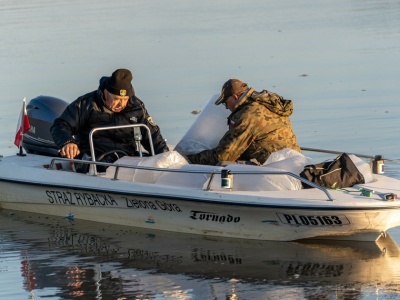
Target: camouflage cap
(232, 86)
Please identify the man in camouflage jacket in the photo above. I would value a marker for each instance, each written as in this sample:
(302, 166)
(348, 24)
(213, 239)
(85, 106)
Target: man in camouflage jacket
(258, 125)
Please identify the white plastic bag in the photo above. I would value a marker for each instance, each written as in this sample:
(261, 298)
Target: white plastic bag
(170, 159)
(206, 132)
(124, 173)
(289, 160)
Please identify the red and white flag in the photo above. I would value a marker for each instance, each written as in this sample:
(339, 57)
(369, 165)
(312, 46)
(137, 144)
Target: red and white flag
(22, 126)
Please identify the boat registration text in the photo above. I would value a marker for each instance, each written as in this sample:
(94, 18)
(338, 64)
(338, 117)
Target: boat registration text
(313, 220)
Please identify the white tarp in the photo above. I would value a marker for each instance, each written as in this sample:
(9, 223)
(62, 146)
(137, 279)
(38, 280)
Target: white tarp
(206, 131)
(285, 160)
(257, 182)
(174, 160)
(124, 173)
(289, 160)
(171, 159)
(195, 180)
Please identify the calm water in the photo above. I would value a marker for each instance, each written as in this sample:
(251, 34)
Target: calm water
(338, 61)
(47, 257)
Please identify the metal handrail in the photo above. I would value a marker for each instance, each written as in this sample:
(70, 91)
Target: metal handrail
(93, 131)
(371, 157)
(211, 173)
(335, 152)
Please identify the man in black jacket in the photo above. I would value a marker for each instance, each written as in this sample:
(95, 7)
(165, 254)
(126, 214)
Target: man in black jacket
(113, 103)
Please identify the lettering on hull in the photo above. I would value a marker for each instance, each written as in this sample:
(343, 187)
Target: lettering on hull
(85, 199)
(213, 217)
(96, 199)
(313, 220)
(150, 204)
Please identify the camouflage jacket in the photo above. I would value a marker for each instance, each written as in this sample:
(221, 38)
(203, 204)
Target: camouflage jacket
(258, 126)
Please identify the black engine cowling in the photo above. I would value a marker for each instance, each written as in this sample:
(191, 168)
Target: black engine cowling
(41, 112)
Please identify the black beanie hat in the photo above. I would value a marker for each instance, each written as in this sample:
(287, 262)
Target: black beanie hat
(120, 83)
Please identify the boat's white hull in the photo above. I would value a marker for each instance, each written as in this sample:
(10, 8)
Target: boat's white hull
(199, 217)
(280, 216)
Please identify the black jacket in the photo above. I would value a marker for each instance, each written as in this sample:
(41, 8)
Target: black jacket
(88, 112)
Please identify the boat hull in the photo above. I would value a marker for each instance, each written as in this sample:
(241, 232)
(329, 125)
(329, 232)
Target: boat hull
(196, 216)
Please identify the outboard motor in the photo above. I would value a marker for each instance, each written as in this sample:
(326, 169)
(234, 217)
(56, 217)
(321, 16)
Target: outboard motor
(41, 112)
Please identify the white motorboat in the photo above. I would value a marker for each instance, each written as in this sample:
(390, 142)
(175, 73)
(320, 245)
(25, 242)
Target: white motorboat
(165, 192)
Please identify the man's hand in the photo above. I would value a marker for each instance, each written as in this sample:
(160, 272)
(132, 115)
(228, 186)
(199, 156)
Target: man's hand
(70, 150)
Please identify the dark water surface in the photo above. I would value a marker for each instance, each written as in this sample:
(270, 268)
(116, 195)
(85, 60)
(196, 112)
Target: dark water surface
(339, 61)
(48, 257)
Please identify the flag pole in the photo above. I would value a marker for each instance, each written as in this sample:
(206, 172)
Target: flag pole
(21, 150)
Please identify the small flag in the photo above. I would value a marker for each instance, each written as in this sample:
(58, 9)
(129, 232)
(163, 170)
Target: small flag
(70, 216)
(22, 126)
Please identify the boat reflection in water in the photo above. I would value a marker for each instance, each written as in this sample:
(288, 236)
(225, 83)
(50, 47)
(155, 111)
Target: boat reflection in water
(93, 260)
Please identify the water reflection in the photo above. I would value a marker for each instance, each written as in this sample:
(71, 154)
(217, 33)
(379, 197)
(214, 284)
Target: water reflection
(91, 260)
